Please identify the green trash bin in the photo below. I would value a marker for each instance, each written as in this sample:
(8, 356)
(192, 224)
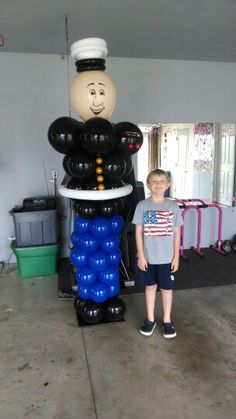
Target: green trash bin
(36, 260)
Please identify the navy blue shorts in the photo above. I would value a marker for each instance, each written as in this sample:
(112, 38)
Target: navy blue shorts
(157, 274)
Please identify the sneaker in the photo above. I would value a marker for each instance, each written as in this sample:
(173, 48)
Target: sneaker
(147, 328)
(169, 330)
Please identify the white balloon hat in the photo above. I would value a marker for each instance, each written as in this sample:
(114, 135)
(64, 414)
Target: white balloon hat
(89, 48)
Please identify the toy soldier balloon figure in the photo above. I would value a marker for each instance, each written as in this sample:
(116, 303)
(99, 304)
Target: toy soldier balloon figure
(99, 176)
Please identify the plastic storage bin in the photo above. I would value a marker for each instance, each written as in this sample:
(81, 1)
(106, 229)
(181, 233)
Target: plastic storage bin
(36, 261)
(33, 228)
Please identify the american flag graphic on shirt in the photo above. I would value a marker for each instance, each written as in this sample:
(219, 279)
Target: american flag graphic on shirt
(158, 223)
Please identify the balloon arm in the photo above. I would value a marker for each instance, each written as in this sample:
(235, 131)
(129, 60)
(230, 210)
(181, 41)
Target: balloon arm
(129, 137)
(64, 134)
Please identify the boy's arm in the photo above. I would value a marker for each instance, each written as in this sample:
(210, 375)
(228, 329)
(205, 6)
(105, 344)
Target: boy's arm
(142, 262)
(175, 259)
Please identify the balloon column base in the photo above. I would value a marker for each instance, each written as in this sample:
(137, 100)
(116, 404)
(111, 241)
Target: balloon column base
(90, 313)
(83, 323)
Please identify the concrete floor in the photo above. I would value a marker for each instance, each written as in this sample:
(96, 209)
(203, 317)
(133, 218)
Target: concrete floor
(51, 368)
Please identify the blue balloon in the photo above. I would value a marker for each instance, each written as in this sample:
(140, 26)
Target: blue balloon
(114, 289)
(99, 292)
(100, 227)
(75, 238)
(117, 223)
(109, 276)
(81, 224)
(85, 276)
(110, 243)
(98, 261)
(115, 257)
(84, 291)
(88, 242)
(78, 257)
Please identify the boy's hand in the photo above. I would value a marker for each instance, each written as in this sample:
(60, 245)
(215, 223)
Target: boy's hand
(142, 264)
(175, 264)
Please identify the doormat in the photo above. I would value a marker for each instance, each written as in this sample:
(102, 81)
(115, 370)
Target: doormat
(212, 270)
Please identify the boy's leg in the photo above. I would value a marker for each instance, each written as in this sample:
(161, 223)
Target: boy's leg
(167, 298)
(150, 297)
(149, 324)
(148, 279)
(168, 327)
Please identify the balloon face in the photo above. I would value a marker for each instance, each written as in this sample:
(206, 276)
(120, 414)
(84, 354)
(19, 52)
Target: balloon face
(100, 227)
(78, 257)
(98, 261)
(81, 225)
(117, 223)
(109, 276)
(110, 243)
(99, 292)
(85, 276)
(64, 134)
(93, 94)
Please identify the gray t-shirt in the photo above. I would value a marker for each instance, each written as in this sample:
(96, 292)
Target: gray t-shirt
(158, 221)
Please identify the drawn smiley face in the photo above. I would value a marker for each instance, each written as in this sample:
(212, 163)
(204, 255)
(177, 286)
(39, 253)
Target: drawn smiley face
(93, 94)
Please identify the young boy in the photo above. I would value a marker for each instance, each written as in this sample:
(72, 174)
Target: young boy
(157, 233)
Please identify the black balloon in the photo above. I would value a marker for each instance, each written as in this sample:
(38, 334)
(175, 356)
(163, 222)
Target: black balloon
(114, 184)
(121, 205)
(108, 208)
(129, 138)
(91, 312)
(64, 134)
(75, 183)
(129, 166)
(79, 165)
(87, 209)
(91, 185)
(79, 304)
(114, 166)
(114, 309)
(98, 136)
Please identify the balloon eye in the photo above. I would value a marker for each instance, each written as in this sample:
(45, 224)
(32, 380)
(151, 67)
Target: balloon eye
(92, 92)
(101, 92)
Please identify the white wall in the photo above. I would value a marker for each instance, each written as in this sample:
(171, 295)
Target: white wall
(174, 91)
(33, 93)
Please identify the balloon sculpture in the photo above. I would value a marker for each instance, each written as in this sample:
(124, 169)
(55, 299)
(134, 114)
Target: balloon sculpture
(99, 168)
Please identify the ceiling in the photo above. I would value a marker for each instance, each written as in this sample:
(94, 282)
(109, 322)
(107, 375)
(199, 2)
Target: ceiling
(165, 29)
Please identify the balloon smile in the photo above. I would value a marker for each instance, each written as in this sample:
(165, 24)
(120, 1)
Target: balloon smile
(97, 111)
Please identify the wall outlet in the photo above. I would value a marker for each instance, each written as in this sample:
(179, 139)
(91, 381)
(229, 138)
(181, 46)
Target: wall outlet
(54, 174)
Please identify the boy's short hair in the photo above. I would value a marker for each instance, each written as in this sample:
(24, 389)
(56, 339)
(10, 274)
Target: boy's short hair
(158, 172)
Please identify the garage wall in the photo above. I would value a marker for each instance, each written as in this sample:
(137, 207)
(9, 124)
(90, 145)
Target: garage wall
(33, 93)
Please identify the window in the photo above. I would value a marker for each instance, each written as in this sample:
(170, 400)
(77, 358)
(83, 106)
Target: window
(199, 156)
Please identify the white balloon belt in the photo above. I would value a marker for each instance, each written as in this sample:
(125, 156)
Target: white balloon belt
(95, 195)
